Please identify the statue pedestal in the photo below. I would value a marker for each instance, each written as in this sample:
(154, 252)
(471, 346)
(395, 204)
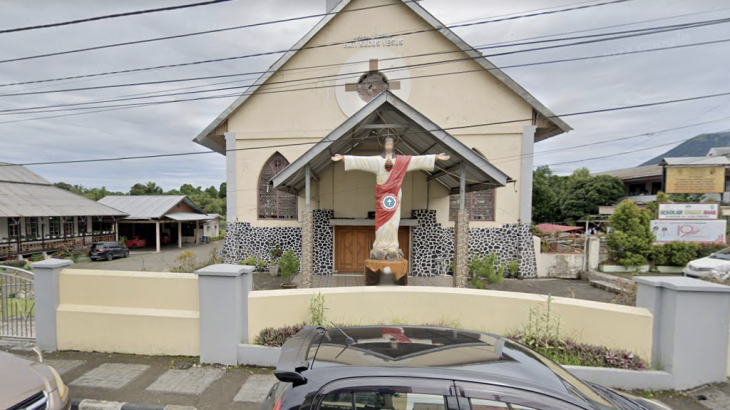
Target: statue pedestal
(374, 268)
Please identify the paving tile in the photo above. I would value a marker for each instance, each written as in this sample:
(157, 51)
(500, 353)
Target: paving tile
(715, 399)
(110, 375)
(63, 366)
(256, 388)
(190, 381)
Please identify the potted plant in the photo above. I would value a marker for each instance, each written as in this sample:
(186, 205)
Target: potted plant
(275, 252)
(289, 265)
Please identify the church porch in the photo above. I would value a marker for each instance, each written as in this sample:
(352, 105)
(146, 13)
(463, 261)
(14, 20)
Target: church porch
(332, 214)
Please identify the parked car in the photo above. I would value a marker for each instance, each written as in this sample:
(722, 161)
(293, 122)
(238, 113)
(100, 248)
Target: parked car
(717, 265)
(429, 368)
(136, 242)
(29, 384)
(108, 251)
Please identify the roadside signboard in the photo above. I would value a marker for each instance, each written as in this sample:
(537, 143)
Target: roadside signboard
(695, 180)
(689, 211)
(689, 231)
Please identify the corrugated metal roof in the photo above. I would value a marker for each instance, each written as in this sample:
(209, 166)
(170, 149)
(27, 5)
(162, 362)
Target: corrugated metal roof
(718, 151)
(19, 199)
(189, 216)
(422, 137)
(552, 228)
(147, 206)
(647, 171)
(696, 161)
(18, 173)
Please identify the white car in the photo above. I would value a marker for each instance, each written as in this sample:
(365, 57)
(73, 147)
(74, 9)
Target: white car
(716, 266)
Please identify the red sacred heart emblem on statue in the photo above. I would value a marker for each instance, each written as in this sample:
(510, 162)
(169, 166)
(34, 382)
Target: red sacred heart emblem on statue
(390, 202)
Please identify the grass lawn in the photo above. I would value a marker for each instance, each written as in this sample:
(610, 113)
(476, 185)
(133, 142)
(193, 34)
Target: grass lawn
(18, 307)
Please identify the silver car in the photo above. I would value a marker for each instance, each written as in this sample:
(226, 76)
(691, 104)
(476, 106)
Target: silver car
(31, 385)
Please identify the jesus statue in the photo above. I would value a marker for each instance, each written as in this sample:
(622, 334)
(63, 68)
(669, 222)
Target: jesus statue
(390, 169)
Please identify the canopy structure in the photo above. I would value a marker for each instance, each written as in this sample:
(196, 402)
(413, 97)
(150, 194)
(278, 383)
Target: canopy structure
(418, 136)
(189, 216)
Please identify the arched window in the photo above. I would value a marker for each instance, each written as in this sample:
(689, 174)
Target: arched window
(275, 204)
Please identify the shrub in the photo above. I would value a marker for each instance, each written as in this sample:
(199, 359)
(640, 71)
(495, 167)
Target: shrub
(632, 241)
(15, 263)
(484, 269)
(289, 265)
(185, 263)
(249, 261)
(542, 334)
(513, 267)
(674, 253)
(707, 249)
(275, 337)
(317, 311)
(36, 257)
(68, 252)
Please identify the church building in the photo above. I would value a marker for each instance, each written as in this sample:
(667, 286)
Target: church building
(370, 70)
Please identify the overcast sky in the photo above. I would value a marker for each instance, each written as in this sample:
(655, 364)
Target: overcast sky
(564, 88)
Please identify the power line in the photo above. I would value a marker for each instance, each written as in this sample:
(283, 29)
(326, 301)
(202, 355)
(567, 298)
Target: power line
(619, 35)
(113, 16)
(142, 69)
(32, 110)
(127, 43)
(580, 113)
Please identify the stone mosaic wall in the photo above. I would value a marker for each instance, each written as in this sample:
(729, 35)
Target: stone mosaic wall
(510, 242)
(429, 241)
(243, 240)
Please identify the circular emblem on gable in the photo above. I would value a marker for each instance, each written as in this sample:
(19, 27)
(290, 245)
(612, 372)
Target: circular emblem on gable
(390, 202)
(368, 73)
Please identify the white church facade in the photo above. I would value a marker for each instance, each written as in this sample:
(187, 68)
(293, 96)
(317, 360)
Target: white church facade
(372, 68)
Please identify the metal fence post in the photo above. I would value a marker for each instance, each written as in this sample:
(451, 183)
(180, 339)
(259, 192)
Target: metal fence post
(47, 298)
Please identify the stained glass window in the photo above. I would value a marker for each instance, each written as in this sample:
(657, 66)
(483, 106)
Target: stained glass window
(275, 204)
(480, 205)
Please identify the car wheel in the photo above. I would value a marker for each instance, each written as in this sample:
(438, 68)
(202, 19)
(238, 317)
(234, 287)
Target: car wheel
(126, 254)
(109, 257)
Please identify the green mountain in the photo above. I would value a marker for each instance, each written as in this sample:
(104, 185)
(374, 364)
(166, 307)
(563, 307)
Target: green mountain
(698, 146)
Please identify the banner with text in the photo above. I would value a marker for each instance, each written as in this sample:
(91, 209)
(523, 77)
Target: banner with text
(689, 231)
(689, 211)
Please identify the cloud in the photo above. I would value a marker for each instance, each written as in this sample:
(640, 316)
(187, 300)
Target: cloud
(568, 87)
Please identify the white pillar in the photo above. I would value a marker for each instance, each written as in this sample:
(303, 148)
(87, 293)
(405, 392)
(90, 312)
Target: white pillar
(179, 234)
(231, 197)
(528, 150)
(157, 235)
(116, 230)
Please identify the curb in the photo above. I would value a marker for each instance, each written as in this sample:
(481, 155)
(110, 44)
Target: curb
(89, 404)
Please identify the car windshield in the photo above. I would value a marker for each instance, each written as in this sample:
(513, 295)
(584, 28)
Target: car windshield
(100, 245)
(723, 254)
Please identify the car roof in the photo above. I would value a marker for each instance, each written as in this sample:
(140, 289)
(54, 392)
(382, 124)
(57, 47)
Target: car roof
(433, 351)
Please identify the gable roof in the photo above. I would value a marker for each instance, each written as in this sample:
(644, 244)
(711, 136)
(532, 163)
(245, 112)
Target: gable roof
(422, 137)
(147, 206)
(558, 125)
(23, 193)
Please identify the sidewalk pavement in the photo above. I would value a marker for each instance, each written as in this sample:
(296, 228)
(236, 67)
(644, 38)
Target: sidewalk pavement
(156, 382)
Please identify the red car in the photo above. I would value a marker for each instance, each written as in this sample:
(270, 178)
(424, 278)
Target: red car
(136, 242)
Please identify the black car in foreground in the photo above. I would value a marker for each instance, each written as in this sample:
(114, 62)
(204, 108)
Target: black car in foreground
(428, 368)
(108, 251)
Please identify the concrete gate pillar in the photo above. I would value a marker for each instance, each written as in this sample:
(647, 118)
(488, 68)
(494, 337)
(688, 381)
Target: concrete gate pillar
(47, 298)
(223, 292)
(691, 324)
(461, 249)
(307, 267)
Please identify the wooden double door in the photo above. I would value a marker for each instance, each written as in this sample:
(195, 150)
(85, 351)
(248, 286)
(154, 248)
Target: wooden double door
(353, 244)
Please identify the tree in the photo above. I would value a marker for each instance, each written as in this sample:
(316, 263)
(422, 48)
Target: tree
(222, 191)
(150, 188)
(546, 195)
(585, 194)
(631, 242)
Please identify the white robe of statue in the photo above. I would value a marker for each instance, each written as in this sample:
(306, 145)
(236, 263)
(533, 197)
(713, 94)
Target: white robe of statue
(386, 238)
